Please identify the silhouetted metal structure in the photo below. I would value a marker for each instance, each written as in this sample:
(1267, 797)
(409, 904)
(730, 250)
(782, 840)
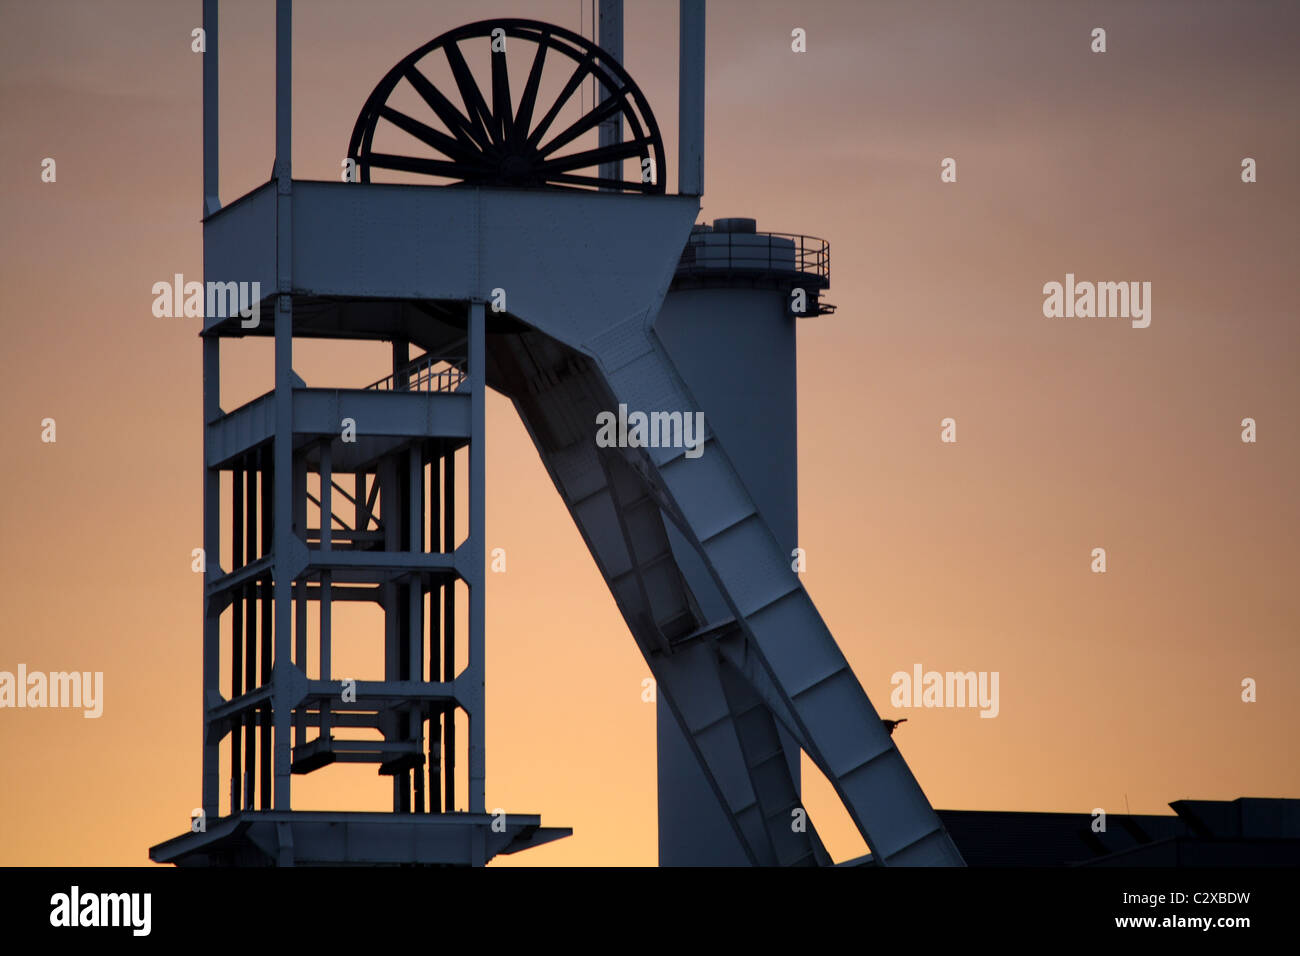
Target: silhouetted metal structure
(509, 144)
(1247, 831)
(605, 295)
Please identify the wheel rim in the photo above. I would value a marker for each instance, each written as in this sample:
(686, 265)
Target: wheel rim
(485, 139)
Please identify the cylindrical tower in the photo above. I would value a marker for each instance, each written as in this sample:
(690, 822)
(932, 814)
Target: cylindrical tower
(728, 323)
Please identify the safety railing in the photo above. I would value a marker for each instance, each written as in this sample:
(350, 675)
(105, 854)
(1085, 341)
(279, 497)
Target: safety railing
(428, 373)
(712, 251)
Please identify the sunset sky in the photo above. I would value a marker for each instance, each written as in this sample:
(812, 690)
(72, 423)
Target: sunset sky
(1119, 690)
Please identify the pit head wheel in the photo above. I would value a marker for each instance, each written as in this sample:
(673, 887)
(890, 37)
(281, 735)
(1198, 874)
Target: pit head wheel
(489, 140)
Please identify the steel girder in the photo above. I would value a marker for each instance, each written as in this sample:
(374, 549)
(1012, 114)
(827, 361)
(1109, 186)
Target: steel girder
(773, 660)
(730, 730)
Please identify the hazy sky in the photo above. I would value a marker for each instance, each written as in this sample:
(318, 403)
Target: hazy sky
(1117, 690)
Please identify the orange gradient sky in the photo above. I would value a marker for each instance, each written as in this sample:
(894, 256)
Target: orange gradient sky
(1117, 691)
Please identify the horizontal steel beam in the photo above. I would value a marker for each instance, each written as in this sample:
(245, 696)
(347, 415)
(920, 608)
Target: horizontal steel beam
(356, 839)
(388, 417)
(616, 251)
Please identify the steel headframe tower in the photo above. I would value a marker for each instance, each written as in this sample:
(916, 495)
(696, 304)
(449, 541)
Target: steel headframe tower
(337, 495)
(605, 296)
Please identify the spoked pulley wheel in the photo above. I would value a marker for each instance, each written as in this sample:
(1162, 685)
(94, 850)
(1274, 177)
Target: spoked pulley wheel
(487, 137)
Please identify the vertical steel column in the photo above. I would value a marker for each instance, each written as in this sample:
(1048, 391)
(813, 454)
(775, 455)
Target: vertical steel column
(361, 519)
(690, 100)
(211, 116)
(283, 497)
(237, 639)
(211, 783)
(611, 129)
(477, 529)
(449, 627)
(435, 636)
(326, 545)
(386, 475)
(300, 592)
(264, 591)
(250, 598)
(401, 359)
(415, 613)
(300, 656)
(402, 606)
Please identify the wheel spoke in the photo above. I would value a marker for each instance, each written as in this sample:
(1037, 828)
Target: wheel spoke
(569, 179)
(415, 164)
(524, 118)
(591, 120)
(594, 157)
(502, 112)
(635, 125)
(475, 106)
(452, 148)
(569, 89)
(451, 117)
